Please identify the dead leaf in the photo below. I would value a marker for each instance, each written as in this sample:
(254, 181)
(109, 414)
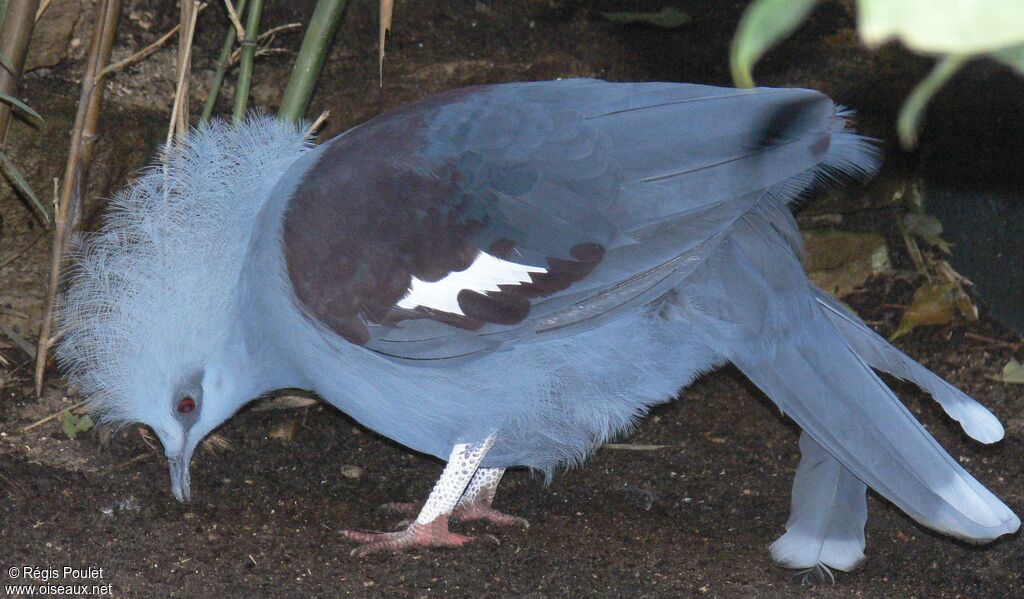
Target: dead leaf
(284, 402)
(285, 432)
(927, 227)
(841, 261)
(933, 305)
(215, 443)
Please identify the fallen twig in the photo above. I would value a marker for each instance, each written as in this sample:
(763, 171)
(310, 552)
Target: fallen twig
(126, 463)
(633, 447)
(53, 416)
(990, 340)
(145, 52)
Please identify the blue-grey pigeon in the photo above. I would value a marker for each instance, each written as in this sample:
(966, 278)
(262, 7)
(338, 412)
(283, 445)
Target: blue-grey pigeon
(508, 275)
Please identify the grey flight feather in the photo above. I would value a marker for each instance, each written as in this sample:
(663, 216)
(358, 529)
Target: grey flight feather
(976, 419)
(826, 525)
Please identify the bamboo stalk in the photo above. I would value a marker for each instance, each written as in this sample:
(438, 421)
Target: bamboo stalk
(19, 20)
(252, 25)
(69, 200)
(222, 68)
(315, 46)
(188, 13)
(99, 58)
(181, 90)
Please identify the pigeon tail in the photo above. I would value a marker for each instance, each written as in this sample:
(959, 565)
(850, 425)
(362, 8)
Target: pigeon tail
(818, 380)
(751, 302)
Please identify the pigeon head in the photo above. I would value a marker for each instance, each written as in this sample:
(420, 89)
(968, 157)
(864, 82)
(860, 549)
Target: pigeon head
(148, 325)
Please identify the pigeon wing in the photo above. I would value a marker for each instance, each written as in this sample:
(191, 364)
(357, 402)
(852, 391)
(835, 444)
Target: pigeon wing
(500, 214)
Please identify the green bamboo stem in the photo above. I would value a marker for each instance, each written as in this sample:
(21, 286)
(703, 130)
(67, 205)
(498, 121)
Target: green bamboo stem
(252, 26)
(315, 46)
(222, 67)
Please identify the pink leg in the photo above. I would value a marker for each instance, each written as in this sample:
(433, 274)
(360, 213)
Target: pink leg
(430, 529)
(475, 503)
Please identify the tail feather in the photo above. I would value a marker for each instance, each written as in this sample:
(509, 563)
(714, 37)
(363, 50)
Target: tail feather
(839, 402)
(976, 420)
(826, 525)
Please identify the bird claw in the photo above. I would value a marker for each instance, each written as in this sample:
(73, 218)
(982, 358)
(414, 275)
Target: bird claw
(432, 534)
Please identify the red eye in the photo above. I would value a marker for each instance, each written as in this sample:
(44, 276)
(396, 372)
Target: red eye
(186, 405)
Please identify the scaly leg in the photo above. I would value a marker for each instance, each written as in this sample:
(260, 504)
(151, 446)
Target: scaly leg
(475, 503)
(430, 529)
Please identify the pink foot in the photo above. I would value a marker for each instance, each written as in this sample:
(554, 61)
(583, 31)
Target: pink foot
(488, 514)
(432, 534)
(463, 513)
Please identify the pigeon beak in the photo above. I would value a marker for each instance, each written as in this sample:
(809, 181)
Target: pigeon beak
(180, 485)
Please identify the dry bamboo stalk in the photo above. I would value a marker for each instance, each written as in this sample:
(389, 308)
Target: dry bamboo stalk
(15, 34)
(67, 200)
(181, 92)
(99, 59)
(189, 10)
(233, 15)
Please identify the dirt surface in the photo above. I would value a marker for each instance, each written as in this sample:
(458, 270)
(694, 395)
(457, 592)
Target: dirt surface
(692, 518)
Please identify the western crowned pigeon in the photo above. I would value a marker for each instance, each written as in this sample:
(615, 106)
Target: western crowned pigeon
(507, 275)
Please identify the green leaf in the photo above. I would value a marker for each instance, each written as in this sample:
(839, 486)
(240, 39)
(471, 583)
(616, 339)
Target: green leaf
(764, 24)
(73, 425)
(667, 18)
(1013, 373)
(909, 121)
(19, 180)
(22, 107)
(1011, 57)
(943, 26)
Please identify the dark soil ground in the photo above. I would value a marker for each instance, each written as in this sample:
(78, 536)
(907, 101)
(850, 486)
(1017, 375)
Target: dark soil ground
(692, 518)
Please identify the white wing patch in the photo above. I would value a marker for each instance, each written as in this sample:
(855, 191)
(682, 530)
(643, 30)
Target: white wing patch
(484, 274)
